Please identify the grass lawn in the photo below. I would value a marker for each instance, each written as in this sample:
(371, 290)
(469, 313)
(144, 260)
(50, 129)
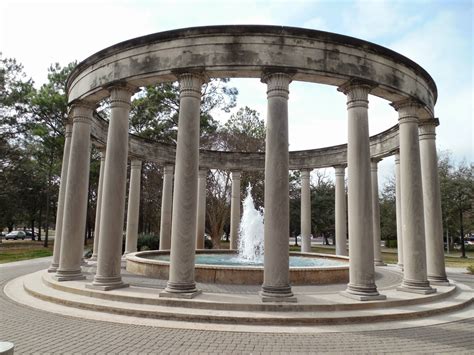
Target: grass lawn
(22, 250)
(453, 259)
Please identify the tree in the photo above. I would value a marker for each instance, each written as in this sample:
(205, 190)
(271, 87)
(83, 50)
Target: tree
(457, 194)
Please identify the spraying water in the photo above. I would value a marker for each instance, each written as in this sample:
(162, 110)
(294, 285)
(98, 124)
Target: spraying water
(251, 231)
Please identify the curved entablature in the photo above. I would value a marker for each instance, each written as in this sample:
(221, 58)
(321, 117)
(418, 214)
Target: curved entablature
(381, 145)
(250, 51)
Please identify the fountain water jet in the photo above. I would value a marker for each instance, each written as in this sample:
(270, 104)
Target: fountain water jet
(251, 232)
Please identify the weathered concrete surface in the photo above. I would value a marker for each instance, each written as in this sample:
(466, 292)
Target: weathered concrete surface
(248, 51)
(381, 145)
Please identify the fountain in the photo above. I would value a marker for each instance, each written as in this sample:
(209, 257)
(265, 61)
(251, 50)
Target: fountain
(251, 232)
(244, 266)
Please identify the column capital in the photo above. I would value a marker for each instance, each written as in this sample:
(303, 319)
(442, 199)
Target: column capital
(190, 84)
(305, 173)
(168, 169)
(397, 157)
(121, 94)
(407, 110)
(236, 174)
(68, 130)
(374, 164)
(357, 92)
(278, 84)
(81, 112)
(340, 169)
(135, 164)
(427, 128)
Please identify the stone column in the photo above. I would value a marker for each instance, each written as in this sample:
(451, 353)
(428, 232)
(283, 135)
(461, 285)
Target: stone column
(201, 209)
(98, 207)
(376, 212)
(414, 248)
(361, 263)
(305, 211)
(398, 196)
(62, 191)
(235, 210)
(432, 203)
(133, 206)
(183, 228)
(341, 227)
(113, 196)
(276, 286)
(75, 198)
(166, 208)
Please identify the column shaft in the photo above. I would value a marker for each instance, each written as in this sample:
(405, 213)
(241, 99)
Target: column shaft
(305, 211)
(235, 210)
(166, 208)
(432, 203)
(276, 285)
(201, 209)
(98, 208)
(361, 264)
(341, 226)
(62, 192)
(133, 206)
(183, 229)
(113, 196)
(414, 248)
(376, 213)
(75, 198)
(398, 196)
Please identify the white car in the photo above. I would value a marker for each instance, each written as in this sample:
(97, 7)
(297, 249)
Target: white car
(16, 235)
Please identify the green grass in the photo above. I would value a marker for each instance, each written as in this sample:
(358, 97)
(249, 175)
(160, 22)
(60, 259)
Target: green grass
(23, 250)
(390, 256)
(10, 256)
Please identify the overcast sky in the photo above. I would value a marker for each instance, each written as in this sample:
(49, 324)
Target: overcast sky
(438, 35)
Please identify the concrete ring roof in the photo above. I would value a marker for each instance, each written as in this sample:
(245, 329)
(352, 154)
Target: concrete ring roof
(249, 51)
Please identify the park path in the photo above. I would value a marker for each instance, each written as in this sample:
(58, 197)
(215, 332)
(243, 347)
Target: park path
(36, 331)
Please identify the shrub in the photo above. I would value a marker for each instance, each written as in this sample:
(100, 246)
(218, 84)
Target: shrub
(208, 244)
(148, 242)
(391, 243)
(470, 268)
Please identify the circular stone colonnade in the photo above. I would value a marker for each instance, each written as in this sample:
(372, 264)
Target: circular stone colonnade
(278, 56)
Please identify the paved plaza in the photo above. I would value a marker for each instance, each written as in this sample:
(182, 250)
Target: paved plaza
(37, 331)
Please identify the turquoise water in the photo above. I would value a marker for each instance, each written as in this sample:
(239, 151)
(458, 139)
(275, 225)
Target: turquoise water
(233, 260)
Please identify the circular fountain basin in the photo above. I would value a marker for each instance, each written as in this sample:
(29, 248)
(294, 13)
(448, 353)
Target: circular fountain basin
(223, 266)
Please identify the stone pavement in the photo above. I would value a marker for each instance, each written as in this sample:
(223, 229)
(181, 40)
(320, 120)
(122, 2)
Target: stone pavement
(35, 331)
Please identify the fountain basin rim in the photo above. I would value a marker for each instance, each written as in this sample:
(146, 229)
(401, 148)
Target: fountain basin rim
(138, 257)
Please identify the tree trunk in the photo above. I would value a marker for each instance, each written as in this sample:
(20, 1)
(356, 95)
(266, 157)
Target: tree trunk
(463, 248)
(46, 232)
(40, 221)
(33, 229)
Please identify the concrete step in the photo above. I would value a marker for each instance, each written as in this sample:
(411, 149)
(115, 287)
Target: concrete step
(248, 309)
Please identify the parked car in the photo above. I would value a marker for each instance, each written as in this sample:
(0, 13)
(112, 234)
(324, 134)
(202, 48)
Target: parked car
(29, 234)
(16, 235)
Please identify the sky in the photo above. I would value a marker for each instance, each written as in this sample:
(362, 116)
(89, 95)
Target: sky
(438, 35)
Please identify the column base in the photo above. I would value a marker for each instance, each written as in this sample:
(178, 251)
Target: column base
(277, 294)
(53, 268)
(363, 293)
(438, 280)
(379, 263)
(93, 258)
(358, 297)
(107, 283)
(420, 287)
(62, 275)
(180, 290)
(185, 295)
